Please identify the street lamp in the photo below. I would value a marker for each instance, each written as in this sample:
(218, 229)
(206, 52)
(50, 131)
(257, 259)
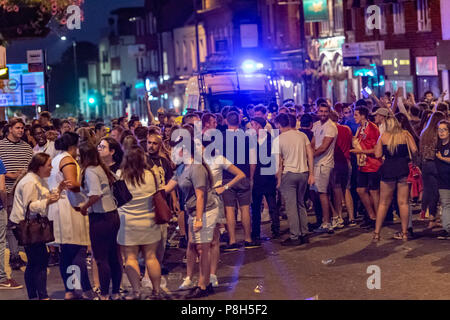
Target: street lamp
(74, 44)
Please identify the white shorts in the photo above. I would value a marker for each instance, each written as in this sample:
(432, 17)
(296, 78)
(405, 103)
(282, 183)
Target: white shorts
(206, 233)
(321, 178)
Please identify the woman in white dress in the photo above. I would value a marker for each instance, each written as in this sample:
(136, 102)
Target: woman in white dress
(71, 229)
(138, 231)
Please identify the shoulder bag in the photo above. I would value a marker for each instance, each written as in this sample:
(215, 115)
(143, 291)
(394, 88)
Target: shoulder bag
(34, 231)
(163, 214)
(121, 193)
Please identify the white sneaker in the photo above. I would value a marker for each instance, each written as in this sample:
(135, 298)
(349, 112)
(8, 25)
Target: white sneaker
(213, 280)
(337, 223)
(187, 284)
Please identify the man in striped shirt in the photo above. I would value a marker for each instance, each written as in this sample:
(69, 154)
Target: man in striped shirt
(16, 154)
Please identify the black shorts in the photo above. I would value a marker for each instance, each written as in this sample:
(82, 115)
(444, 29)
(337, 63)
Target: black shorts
(370, 180)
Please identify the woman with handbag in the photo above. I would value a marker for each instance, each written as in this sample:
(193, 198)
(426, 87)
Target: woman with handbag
(201, 204)
(71, 229)
(32, 197)
(104, 221)
(395, 144)
(138, 230)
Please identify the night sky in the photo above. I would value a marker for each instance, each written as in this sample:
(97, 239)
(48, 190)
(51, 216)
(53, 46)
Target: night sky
(96, 13)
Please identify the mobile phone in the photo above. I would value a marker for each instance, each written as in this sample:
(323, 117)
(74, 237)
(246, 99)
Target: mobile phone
(368, 90)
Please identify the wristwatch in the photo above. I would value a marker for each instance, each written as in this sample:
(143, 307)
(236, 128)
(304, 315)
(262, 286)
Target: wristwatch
(226, 187)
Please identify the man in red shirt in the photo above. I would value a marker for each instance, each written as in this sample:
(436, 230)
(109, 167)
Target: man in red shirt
(368, 178)
(341, 176)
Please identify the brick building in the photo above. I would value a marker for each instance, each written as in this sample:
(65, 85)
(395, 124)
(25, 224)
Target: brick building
(408, 37)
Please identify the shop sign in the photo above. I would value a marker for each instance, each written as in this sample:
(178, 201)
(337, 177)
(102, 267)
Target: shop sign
(331, 44)
(363, 49)
(315, 10)
(396, 62)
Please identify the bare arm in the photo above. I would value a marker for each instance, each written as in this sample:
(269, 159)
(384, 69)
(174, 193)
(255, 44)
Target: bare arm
(238, 175)
(3, 189)
(92, 200)
(69, 170)
(324, 147)
(378, 101)
(310, 154)
(378, 151)
(412, 144)
(440, 157)
(200, 205)
(279, 170)
(170, 186)
(151, 118)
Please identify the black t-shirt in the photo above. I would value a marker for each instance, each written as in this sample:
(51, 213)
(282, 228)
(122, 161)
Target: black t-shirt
(308, 133)
(163, 163)
(443, 167)
(266, 179)
(241, 155)
(114, 167)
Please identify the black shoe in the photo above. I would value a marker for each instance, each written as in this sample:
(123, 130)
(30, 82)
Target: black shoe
(303, 239)
(15, 263)
(210, 289)
(291, 242)
(369, 224)
(197, 293)
(411, 234)
(313, 226)
(231, 247)
(224, 237)
(251, 245)
(444, 236)
(183, 243)
(276, 235)
(53, 260)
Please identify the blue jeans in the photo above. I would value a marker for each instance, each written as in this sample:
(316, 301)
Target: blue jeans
(3, 222)
(36, 271)
(445, 203)
(12, 241)
(72, 254)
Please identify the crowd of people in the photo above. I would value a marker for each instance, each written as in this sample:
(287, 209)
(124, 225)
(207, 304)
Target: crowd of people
(371, 157)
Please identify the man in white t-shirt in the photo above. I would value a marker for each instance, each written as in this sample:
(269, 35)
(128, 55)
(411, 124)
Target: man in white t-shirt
(324, 140)
(295, 171)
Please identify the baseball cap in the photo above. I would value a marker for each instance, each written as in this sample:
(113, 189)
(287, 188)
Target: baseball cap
(382, 112)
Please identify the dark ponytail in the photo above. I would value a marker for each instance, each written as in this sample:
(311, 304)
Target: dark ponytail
(67, 140)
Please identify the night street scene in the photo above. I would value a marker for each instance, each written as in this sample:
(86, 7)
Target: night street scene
(198, 151)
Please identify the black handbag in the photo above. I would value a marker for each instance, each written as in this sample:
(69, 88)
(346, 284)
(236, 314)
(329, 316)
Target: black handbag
(121, 193)
(34, 231)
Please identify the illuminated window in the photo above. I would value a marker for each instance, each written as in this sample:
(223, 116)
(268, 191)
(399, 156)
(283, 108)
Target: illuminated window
(423, 16)
(399, 18)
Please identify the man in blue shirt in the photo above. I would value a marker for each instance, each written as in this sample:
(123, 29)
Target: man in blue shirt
(5, 283)
(349, 119)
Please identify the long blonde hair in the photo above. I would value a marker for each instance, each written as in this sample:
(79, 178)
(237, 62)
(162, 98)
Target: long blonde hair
(396, 132)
